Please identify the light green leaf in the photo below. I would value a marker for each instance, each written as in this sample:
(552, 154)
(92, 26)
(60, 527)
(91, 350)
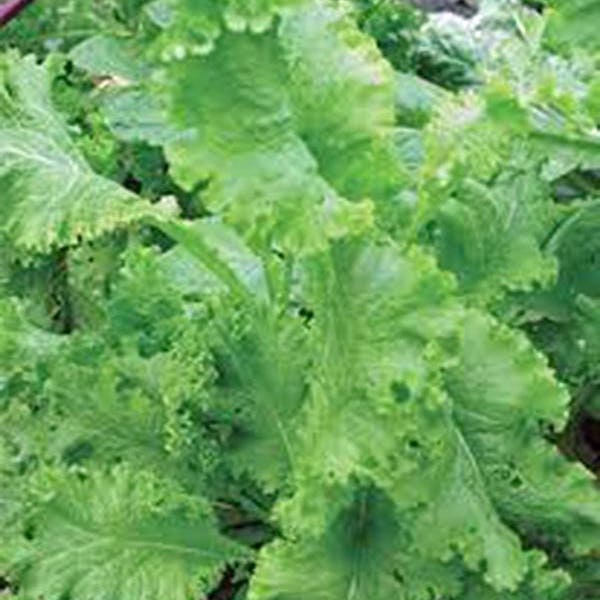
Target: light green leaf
(503, 394)
(51, 196)
(275, 170)
(102, 55)
(22, 344)
(570, 307)
(90, 408)
(575, 22)
(132, 113)
(461, 141)
(491, 237)
(122, 535)
(576, 245)
(376, 310)
(260, 392)
(193, 26)
(342, 92)
(416, 99)
(221, 257)
(260, 353)
(137, 116)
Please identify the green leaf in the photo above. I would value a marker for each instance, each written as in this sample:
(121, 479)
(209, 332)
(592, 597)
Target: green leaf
(460, 141)
(575, 244)
(491, 237)
(575, 22)
(447, 53)
(21, 342)
(192, 26)
(362, 556)
(93, 406)
(504, 394)
(550, 585)
(261, 358)
(144, 304)
(131, 113)
(570, 307)
(416, 99)
(47, 27)
(466, 467)
(375, 311)
(102, 55)
(260, 352)
(306, 346)
(275, 170)
(343, 96)
(51, 196)
(221, 257)
(122, 535)
(134, 115)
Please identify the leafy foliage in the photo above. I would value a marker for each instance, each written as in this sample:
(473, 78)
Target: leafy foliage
(293, 302)
(49, 189)
(123, 534)
(269, 140)
(47, 26)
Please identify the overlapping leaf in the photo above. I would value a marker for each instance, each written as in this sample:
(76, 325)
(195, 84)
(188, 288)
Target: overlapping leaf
(575, 22)
(275, 167)
(439, 455)
(492, 237)
(502, 390)
(122, 534)
(362, 556)
(338, 388)
(51, 197)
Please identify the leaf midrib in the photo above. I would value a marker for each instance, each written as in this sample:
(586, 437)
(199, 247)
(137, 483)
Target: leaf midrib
(99, 539)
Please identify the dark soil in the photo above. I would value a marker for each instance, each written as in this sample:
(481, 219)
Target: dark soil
(581, 440)
(228, 588)
(589, 442)
(5, 586)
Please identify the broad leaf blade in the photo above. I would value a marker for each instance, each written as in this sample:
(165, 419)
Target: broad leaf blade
(123, 535)
(51, 196)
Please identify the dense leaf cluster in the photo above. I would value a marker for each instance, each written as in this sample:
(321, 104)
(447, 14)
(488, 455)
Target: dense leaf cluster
(299, 299)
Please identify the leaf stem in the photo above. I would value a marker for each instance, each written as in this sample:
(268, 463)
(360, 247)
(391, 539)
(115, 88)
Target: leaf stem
(10, 9)
(194, 244)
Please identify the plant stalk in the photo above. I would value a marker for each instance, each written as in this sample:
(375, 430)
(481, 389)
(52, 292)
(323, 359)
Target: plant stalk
(10, 9)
